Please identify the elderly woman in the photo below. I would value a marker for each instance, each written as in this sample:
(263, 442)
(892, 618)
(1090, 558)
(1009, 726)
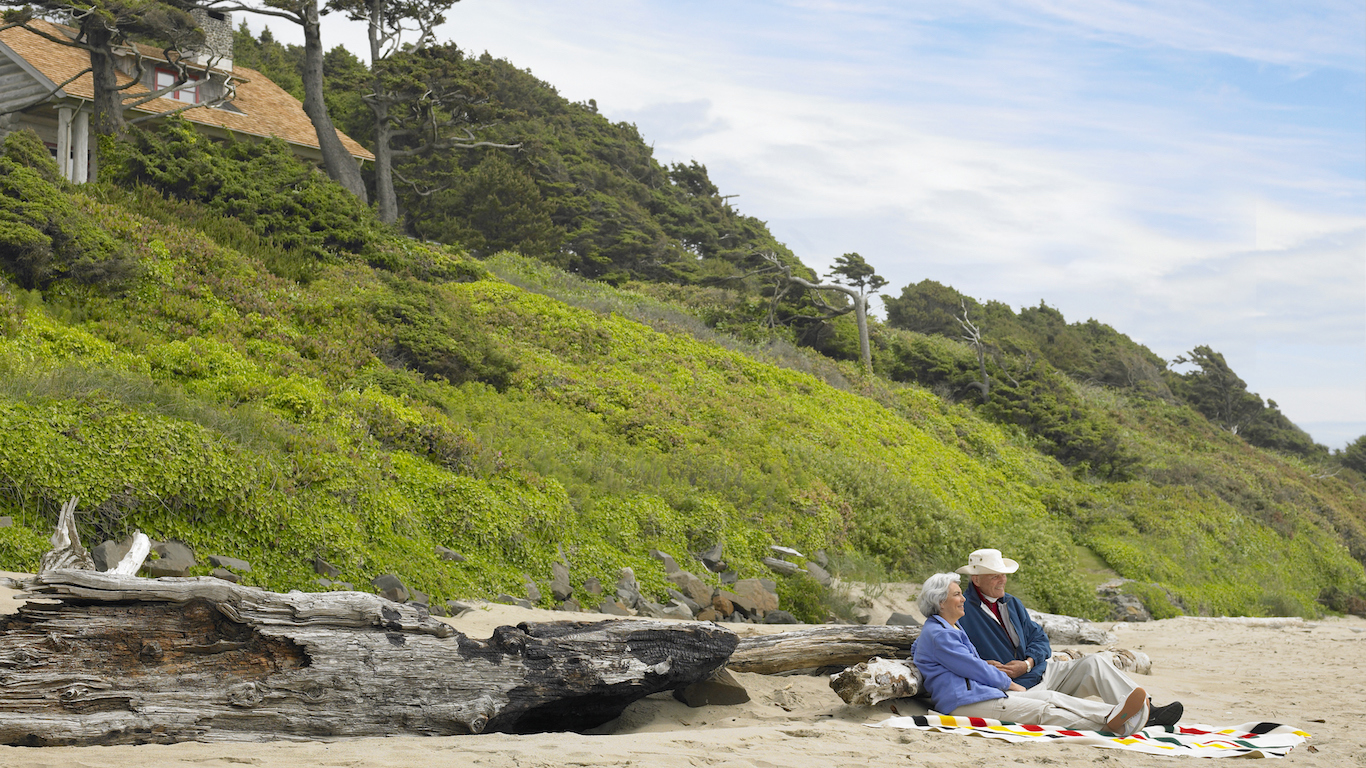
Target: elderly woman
(962, 685)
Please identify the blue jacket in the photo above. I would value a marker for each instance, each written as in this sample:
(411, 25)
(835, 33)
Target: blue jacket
(992, 642)
(954, 674)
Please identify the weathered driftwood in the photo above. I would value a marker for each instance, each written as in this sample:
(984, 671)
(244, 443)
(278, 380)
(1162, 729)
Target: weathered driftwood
(118, 659)
(1070, 630)
(67, 551)
(875, 680)
(1124, 659)
(829, 646)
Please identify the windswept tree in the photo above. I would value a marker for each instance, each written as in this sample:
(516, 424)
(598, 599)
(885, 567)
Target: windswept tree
(1216, 391)
(338, 162)
(851, 276)
(101, 26)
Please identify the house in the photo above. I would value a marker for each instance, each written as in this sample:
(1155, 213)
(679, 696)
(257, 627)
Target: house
(222, 99)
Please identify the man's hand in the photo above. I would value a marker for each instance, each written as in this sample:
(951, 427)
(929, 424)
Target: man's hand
(1016, 687)
(1013, 669)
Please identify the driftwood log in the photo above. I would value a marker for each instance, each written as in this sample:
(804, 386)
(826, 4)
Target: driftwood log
(109, 659)
(819, 647)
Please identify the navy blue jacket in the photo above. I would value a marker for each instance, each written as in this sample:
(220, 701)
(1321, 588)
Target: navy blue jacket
(992, 642)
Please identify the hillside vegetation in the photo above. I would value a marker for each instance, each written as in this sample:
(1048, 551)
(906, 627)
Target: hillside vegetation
(238, 357)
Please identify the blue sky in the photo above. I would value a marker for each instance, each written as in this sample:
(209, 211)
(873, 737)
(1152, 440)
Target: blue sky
(1188, 172)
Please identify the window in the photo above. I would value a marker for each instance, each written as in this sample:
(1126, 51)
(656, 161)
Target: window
(188, 93)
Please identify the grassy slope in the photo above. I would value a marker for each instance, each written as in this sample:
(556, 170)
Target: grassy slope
(254, 416)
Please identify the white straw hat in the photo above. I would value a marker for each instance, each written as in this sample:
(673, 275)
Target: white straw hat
(988, 561)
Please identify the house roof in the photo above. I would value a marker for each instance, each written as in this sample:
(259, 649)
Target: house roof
(266, 108)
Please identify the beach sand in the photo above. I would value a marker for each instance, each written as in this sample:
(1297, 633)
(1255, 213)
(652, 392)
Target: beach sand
(1311, 674)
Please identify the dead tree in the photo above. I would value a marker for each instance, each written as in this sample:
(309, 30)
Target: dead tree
(973, 336)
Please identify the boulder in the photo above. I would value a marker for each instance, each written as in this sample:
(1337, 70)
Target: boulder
(818, 573)
(559, 582)
(708, 614)
(1122, 607)
(678, 610)
(418, 597)
(457, 608)
(592, 585)
(231, 563)
(694, 587)
(449, 554)
(902, 620)
(324, 568)
(692, 604)
(437, 609)
(729, 577)
(822, 559)
(108, 554)
(721, 689)
(572, 605)
(785, 551)
(782, 566)
(614, 608)
(520, 602)
(670, 565)
(225, 575)
(712, 559)
(344, 586)
(391, 587)
(628, 591)
(722, 605)
(780, 617)
(176, 559)
(533, 592)
(762, 593)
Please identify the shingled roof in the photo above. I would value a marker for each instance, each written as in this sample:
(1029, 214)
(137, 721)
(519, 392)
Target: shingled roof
(266, 109)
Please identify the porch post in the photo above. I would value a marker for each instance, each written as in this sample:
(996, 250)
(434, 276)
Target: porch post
(64, 141)
(81, 147)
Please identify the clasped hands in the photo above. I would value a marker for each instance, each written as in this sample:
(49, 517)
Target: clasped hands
(1013, 669)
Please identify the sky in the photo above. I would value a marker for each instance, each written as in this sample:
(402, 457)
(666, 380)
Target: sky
(1188, 172)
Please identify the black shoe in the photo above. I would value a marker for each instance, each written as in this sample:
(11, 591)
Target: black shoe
(1166, 716)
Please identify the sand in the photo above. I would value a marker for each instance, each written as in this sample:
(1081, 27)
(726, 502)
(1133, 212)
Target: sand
(1311, 674)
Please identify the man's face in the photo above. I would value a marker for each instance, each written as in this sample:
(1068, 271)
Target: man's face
(991, 585)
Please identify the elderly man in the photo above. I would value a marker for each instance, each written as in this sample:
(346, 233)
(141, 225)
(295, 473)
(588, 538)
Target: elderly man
(1006, 638)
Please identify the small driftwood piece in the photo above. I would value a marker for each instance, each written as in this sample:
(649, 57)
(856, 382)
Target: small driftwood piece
(95, 658)
(829, 646)
(875, 680)
(1124, 659)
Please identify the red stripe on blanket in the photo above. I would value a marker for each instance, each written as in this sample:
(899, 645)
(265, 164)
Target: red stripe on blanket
(1026, 727)
(1070, 733)
(977, 722)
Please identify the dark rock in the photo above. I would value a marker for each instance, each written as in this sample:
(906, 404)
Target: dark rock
(761, 594)
(721, 689)
(457, 608)
(818, 573)
(418, 597)
(232, 563)
(521, 602)
(437, 609)
(694, 587)
(628, 591)
(533, 592)
(108, 554)
(782, 566)
(570, 604)
(651, 610)
(449, 554)
(324, 568)
(670, 565)
(708, 614)
(613, 608)
(1125, 607)
(176, 560)
(323, 581)
(692, 604)
(225, 575)
(729, 577)
(392, 587)
(592, 585)
(780, 617)
(902, 620)
(712, 559)
(559, 582)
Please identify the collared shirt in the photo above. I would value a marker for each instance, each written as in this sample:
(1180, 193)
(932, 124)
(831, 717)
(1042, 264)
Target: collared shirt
(990, 602)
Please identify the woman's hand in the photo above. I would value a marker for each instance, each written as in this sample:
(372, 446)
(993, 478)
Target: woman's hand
(1015, 687)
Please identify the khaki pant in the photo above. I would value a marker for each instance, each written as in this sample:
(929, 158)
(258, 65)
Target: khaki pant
(1093, 675)
(1041, 708)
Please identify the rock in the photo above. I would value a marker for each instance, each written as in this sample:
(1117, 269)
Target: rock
(818, 573)
(533, 592)
(344, 586)
(520, 602)
(692, 604)
(902, 620)
(628, 591)
(176, 560)
(722, 605)
(7, 521)
(225, 575)
(782, 566)
(729, 577)
(418, 597)
(1125, 607)
(721, 689)
(592, 585)
(323, 581)
(785, 551)
(324, 568)
(457, 608)
(877, 679)
(678, 610)
(780, 617)
(108, 554)
(650, 609)
(822, 559)
(670, 565)
(763, 593)
(231, 563)
(449, 554)
(559, 582)
(572, 605)
(712, 559)
(694, 587)
(862, 615)
(437, 609)
(708, 614)
(390, 586)
(613, 608)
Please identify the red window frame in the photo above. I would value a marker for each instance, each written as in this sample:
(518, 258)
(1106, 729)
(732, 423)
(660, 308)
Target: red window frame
(188, 93)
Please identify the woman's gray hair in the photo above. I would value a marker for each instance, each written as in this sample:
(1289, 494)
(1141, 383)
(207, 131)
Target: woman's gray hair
(934, 591)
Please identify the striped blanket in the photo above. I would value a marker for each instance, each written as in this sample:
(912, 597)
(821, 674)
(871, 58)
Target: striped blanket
(1246, 740)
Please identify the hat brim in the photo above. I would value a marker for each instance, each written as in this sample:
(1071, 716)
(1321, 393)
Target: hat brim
(1007, 566)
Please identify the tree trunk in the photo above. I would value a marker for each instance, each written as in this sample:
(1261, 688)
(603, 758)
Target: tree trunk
(340, 165)
(384, 158)
(833, 646)
(107, 106)
(123, 660)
